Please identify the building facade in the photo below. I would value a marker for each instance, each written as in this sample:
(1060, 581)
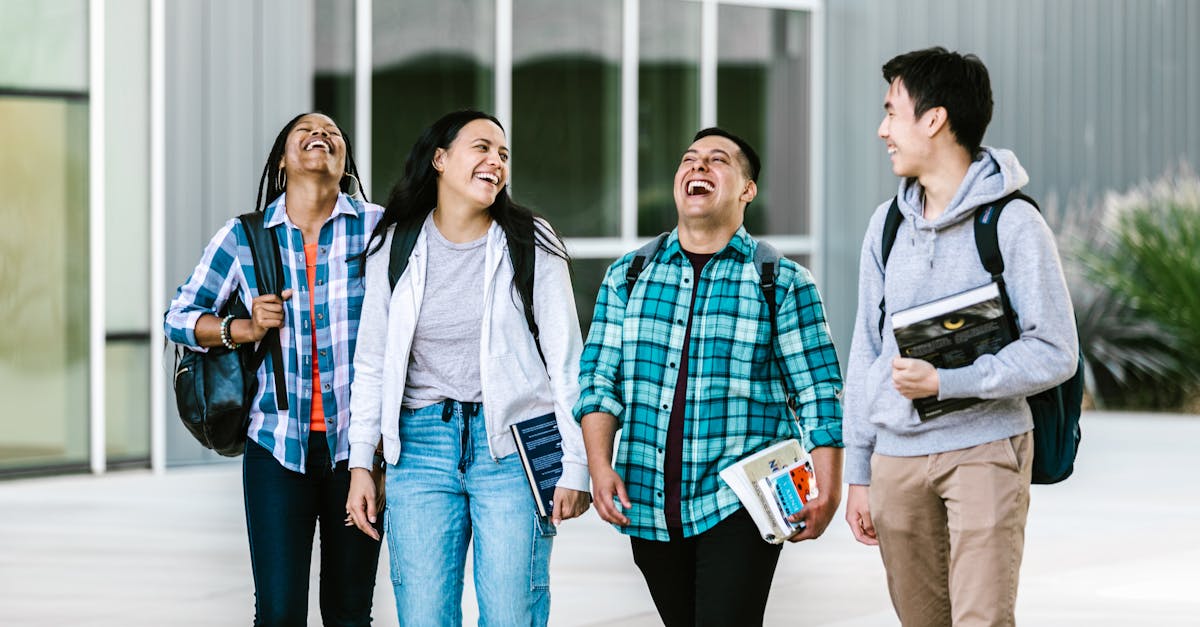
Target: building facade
(137, 127)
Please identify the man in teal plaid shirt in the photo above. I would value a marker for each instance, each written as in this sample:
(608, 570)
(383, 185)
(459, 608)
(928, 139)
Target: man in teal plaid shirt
(687, 364)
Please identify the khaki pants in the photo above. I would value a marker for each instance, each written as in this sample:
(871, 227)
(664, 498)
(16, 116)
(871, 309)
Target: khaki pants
(951, 529)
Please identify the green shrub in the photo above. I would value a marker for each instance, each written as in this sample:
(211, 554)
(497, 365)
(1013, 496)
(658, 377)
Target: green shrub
(1137, 293)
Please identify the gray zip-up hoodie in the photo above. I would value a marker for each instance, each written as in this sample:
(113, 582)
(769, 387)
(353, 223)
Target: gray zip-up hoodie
(936, 258)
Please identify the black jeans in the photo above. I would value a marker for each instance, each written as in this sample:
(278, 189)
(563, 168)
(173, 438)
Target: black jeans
(720, 577)
(282, 509)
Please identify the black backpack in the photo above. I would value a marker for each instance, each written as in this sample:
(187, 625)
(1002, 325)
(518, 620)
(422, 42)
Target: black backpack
(1055, 411)
(214, 390)
(522, 255)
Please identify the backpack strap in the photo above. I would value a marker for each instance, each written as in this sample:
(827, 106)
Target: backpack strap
(766, 259)
(987, 243)
(648, 251)
(404, 239)
(268, 274)
(524, 260)
(891, 226)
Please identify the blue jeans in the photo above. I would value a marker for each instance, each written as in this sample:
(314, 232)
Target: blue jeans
(282, 510)
(447, 490)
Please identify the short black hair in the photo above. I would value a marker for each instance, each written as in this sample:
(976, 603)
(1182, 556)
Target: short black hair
(750, 163)
(936, 77)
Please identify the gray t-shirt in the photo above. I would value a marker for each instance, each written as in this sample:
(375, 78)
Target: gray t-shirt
(444, 362)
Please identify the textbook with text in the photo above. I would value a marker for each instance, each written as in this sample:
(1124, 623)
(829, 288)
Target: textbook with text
(953, 332)
(540, 446)
(772, 484)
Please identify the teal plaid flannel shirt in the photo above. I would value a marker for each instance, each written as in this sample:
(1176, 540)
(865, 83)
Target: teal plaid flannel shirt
(738, 379)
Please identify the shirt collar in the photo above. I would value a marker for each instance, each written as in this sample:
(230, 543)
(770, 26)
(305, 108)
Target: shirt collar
(276, 212)
(740, 246)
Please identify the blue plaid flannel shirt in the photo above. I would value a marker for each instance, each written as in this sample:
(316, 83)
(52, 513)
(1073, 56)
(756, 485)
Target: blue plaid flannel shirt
(338, 294)
(738, 379)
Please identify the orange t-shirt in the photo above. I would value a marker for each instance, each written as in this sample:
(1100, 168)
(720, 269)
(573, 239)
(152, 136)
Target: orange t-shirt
(316, 418)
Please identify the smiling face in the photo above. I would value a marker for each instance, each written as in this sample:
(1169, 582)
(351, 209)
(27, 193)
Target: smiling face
(474, 168)
(711, 183)
(907, 137)
(315, 147)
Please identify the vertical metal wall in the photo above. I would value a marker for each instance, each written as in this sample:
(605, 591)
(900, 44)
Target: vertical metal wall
(236, 72)
(1092, 95)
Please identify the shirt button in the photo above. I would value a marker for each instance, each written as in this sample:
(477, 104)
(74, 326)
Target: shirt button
(664, 405)
(659, 493)
(686, 281)
(320, 316)
(672, 364)
(680, 321)
(323, 250)
(320, 281)
(660, 449)
(322, 353)
(326, 387)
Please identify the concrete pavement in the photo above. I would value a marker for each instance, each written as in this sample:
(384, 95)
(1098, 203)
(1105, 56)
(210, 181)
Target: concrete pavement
(1117, 544)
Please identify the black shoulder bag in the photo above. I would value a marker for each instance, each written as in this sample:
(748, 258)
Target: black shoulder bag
(214, 390)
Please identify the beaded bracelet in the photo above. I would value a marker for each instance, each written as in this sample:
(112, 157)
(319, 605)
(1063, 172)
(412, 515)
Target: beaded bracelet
(226, 338)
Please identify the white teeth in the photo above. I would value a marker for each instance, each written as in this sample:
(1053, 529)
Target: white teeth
(489, 177)
(704, 185)
(317, 144)
(891, 150)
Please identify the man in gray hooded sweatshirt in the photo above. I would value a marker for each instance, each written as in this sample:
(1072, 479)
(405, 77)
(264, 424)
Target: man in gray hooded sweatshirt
(946, 499)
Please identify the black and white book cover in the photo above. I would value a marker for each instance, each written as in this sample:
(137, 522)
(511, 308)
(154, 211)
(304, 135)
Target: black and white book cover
(953, 332)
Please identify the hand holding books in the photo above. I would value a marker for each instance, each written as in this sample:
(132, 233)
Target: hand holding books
(774, 485)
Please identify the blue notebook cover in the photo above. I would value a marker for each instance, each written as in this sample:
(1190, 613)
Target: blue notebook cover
(540, 446)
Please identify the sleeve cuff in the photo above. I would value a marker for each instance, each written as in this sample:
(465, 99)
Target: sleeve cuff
(575, 477)
(858, 466)
(362, 454)
(955, 383)
(598, 404)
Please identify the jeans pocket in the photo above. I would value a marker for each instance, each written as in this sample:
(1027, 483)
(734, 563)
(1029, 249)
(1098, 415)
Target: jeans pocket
(389, 525)
(543, 541)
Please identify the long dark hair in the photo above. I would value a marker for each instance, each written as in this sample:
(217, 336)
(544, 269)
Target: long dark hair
(269, 181)
(415, 196)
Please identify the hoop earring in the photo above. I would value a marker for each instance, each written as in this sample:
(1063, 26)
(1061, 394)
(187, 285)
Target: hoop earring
(281, 184)
(357, 193)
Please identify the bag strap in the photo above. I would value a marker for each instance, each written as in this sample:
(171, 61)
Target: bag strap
(766, 259)
(891, 226)
(404, 239)
(648, 251)
(987, 244)
(524, 258)
(268, 274)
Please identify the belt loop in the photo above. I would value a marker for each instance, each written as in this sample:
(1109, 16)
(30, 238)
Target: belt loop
(447, 410)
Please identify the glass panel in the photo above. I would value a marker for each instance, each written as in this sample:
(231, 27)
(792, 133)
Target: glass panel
(43, 268)
(764, 74)
(127, 400)
(566, 133)
(586, 277)
(127, 166)
(333, 62)
(668, 104)
(430, 57)
(45, 45)
(127, 230)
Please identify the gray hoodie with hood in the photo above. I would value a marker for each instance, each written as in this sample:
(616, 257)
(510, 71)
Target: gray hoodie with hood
(936, 258)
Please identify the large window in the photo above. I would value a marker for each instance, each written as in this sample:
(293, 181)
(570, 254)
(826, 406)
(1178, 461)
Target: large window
(668, 104)
(43, 268)
(566, 107)
(430, 57)
(763, 91)
(44, 242)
